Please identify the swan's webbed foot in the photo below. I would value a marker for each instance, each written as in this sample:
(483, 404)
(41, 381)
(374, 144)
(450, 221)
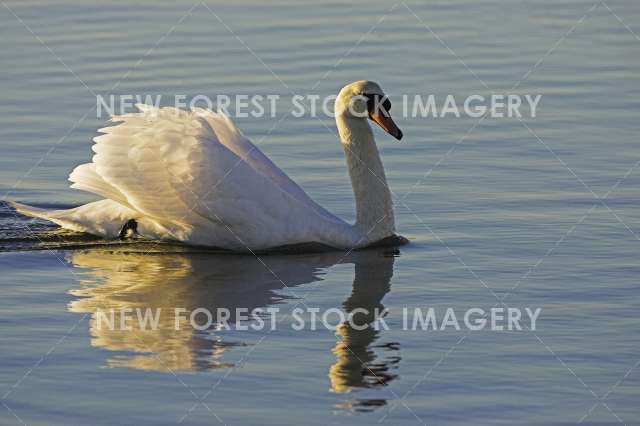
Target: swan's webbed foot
(129, 229)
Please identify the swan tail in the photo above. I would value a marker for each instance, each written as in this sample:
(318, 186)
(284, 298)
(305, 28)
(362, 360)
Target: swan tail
(103, 218)
(63, 218)
(30, 211)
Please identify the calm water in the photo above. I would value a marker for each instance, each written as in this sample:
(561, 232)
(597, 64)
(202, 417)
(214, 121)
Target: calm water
(497, 210)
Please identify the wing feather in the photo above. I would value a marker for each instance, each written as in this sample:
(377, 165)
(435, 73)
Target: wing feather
(195, 169)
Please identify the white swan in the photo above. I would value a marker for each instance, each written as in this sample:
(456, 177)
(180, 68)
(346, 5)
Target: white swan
(192, 176)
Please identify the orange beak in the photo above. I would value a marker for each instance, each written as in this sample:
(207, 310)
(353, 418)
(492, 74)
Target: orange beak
(383, 119)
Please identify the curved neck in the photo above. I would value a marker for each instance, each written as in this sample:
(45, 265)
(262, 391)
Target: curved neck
(374, 207)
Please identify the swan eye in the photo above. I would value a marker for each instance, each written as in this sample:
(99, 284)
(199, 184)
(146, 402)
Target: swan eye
(376, 102)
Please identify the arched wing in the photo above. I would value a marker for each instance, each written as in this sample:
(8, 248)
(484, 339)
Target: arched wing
(232, 137)
(192, 168)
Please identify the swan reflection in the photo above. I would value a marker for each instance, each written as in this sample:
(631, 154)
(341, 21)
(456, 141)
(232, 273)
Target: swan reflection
(357, 362)
(118, 281)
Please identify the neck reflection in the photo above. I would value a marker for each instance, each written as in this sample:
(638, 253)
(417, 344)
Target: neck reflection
(360, 362)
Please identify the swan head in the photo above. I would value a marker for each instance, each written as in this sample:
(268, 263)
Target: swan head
(365, 99)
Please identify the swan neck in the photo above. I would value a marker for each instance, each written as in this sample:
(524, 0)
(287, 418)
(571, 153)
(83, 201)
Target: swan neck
(374, 206)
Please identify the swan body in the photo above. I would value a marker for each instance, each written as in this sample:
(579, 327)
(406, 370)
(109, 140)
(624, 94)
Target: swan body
(192, 176)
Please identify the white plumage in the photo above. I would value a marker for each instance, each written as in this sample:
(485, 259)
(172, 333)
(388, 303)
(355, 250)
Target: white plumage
(192, 176)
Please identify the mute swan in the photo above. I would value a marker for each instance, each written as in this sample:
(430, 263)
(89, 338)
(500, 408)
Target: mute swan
(192, 176)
